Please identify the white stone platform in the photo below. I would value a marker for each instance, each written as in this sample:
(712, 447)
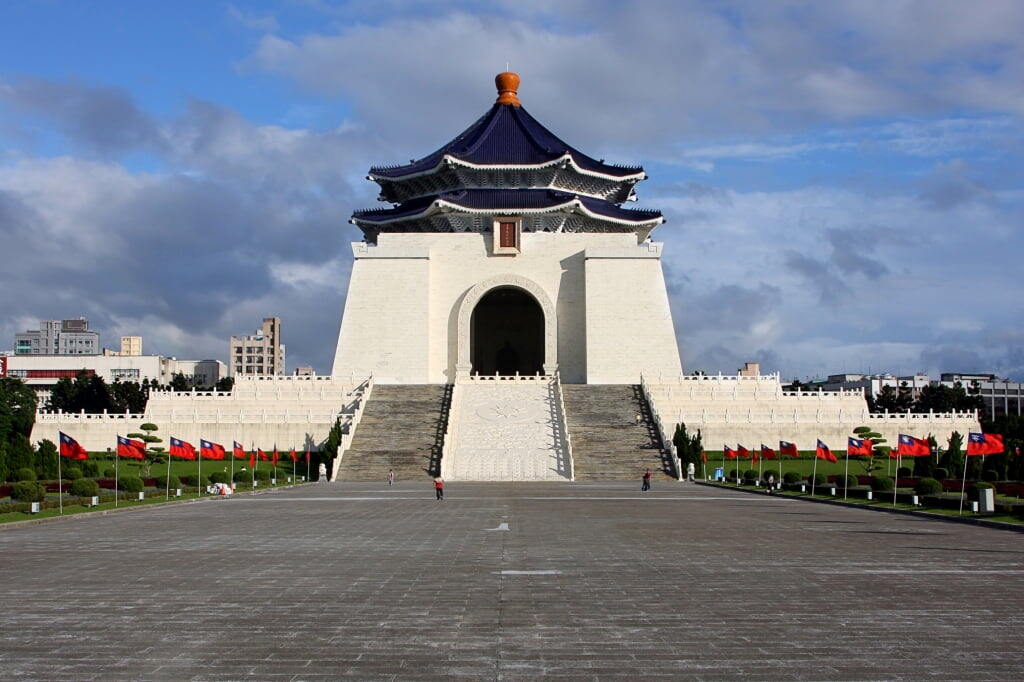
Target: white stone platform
(507, 429)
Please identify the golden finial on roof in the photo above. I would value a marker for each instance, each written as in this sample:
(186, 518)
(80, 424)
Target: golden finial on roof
(508, 87)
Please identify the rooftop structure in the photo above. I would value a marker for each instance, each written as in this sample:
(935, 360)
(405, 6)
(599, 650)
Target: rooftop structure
(58, 337)
(258, 354)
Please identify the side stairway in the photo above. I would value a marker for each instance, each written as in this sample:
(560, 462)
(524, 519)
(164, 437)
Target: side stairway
(402, 428)
(607, 442)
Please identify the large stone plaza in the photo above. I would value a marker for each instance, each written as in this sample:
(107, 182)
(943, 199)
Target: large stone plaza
(503, 581)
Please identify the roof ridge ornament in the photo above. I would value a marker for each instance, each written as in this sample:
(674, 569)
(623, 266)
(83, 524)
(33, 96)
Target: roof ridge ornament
(508, 88)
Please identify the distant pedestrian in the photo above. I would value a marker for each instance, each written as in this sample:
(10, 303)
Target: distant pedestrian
(391, 476)
(639, 418)
(771, 483)
(646, 485)
(689, 472)
(323, 472)
(439, 487)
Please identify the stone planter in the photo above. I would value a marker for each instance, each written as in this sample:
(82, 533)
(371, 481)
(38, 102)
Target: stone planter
(33, 508)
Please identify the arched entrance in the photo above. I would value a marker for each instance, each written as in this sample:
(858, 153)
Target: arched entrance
(464, 364)
(507, 333)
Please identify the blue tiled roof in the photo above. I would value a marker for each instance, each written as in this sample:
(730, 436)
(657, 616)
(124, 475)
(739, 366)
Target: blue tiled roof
(505, 135)
(506, 200)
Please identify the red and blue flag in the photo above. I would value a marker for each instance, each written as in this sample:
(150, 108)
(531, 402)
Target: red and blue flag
(182, 449)
(985, 444)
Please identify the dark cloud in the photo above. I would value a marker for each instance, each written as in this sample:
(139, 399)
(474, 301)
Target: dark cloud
(851, 249)
(830, 287)
(951, 184)
(729, 307)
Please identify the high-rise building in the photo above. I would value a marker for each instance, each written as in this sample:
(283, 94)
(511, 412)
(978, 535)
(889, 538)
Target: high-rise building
(258, 354)
(58, 337)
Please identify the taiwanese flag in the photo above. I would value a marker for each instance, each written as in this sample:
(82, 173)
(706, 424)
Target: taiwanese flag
(69, 447)
(753, 456)
(208, 450)
(133, 449)
(263, 455)
(182, 449)
(252, 460)
(728, 452)
(787, 448)
(857, 448)
(703, 456)
(767, 452)
(913, 447)
(977, 444)
(822, 452)
(742, 452)
(275, 457)
(307, 456)
(238, 451)
(294, 456)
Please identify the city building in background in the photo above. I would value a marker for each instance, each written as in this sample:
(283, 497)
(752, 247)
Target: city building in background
(304, 371)
(259, 354)
(131, 345)
(58, 337)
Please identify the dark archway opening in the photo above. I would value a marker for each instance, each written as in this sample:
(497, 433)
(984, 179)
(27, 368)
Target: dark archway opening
(507, 333)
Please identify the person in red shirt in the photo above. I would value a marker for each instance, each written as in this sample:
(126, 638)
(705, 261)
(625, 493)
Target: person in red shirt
(439, 487)
(646, 485)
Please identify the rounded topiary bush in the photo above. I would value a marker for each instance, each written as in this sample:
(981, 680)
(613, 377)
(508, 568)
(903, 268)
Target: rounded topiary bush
(109, 472)
(749, 476)
(990, 475)
(26, 474)
(928, 486)
(770, 472)
(28, 491)
(159, 459)
(90, 469)
(792, 477)
(162, 482)
(881, 483)
(204, 480)
(219, 477)
(819, 479)
(130, 484)
(242, 476)
(941, 474)
(973, 489)
(904, 472)
(850, 481)
(85, 487)
(263, 475)
(72, 473)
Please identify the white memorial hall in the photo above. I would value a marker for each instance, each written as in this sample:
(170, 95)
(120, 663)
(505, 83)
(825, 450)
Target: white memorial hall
(507, 319)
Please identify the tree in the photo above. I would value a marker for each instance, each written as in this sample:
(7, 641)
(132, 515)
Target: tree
(879, 449)
(946, 399)
(952, 459)
(46, 459)
(87, 392)
(329, 450)
(148, 438)
(17, 416)
(179, 382)
(225, 384)
(924, 467)
(128, 396)
(891, 399)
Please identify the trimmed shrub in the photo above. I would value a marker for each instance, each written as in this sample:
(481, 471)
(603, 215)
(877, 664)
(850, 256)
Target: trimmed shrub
(819, 479)
(219, 477)
(90, 469)
(881, 483)
(972, 490)
(204, 480)
(904, 472)
(263, 475)
(131, 484)
(792, 477)
(843, 481)
(28, 491)
(162, 482)
(109, 472)
(941, 474)
(26, 474)
(749, 476)
(928, 486)
(243, 476)
(158, 459)
(72, 473)
(770, 472)
(989, 475)
(84, 487)
(732, 473)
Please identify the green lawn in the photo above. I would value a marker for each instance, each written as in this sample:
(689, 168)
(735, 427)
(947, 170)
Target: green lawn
(804, 465)
(180, 467)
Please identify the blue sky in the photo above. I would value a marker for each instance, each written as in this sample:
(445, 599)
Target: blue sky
(842, 180)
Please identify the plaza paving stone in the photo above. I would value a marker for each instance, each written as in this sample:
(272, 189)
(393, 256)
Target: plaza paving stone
(589, 582)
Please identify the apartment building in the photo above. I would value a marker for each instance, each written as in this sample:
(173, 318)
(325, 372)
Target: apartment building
(258, 354)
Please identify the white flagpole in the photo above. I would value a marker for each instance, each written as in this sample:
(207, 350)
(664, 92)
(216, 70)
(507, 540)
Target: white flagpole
(255, 461)
(199, 470)
(116, 457)
(232, 481)
(167, 481)
(963, 487)
(60, 484)
(781, 456)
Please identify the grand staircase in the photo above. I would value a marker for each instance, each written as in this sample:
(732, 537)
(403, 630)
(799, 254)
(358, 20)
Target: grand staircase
(402, 428)
(607, 442)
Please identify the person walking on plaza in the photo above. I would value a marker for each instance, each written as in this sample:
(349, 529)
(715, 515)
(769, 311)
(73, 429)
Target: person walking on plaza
(439, 487)
(639, 418)
(689, 471)
(323, 472)
(646, 485)
(391, 476)
(771, 484)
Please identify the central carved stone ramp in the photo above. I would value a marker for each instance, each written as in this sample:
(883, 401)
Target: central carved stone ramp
(607, 442)
(506, 429)
(402, 428)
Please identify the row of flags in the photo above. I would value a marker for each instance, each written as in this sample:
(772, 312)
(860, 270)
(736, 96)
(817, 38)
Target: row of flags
(906, 446)
(136, 449)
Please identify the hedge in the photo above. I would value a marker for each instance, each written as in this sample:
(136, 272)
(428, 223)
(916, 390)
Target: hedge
(262, 475)
(28, 491)
(26, 474)
(792, 477)
(928, 486)
(243, 476)
(219, 477)
(990, 475)
(904, 472)
(90, 469)
(749, 476)
(770, 472)
(71, 473)
(819, 479)
(130, 484)
(108, 473)
(162, 482)
(85, 487)
(204, 480)
(941, 474)
(881, 483)
(843, 481)
(972, 490)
